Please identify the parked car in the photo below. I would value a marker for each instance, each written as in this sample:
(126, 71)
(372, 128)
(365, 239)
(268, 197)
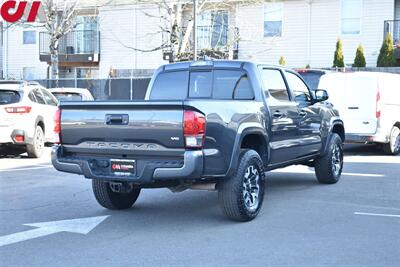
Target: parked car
(312, 76)
(369, 104)
(27, 118)
(72, 94)
(215, 125)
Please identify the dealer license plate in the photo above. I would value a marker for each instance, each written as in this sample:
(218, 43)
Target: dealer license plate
(123, 167)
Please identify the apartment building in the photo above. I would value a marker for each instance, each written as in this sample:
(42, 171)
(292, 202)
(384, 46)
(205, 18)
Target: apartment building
(112, 39)
(305, 32)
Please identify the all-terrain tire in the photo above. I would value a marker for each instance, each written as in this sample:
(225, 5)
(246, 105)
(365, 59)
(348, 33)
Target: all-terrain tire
(36, 149)
(329, 167)
(241, 196)
(112, 200)
(393, 147)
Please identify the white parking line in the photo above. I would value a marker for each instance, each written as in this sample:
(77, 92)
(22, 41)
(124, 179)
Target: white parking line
(363, 174)
(377, 214)
(27, 169)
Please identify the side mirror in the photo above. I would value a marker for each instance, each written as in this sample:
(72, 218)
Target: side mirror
(321, 95)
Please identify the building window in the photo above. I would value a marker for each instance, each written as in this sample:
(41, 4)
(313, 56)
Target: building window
(212, 29)
(273, 17)
(29, 37)
(351, 16)
(28, 73)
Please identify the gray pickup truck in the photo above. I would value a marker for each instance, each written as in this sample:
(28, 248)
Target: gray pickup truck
(213, 125)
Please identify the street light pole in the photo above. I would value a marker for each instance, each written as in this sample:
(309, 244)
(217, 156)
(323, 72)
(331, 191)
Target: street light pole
(194, 30)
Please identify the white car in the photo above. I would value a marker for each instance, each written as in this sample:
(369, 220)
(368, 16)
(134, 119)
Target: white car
(27, 113)
(369, 104)
(72, 94)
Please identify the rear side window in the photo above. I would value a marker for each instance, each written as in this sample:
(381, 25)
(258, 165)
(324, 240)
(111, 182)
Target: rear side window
(32, 97)
(39, 97)
(170, 86)
(275, 84)
(50, 100)
(232, 84)
(200, 84)
(9, 97)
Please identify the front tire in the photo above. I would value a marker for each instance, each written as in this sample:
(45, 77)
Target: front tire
(329, 167)
(393, 147)
(242, 195)
(35, 150)
(109, 199)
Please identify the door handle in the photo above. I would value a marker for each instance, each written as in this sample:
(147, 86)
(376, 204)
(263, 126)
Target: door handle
(117, 119)
(278, 114)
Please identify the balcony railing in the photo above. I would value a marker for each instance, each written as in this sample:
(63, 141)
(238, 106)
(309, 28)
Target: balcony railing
(393, 27)
(76, 46)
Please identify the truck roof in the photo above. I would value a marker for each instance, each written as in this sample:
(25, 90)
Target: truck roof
(211, 64)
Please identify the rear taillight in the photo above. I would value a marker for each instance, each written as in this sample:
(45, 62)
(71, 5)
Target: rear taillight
(378, 105)
(57, 127)
(19, 138)
(18, 110)
(194, 129)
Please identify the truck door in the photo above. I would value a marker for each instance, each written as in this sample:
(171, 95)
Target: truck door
(285, 118)
(310, 119)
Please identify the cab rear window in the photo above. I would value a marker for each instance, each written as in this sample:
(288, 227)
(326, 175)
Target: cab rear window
(9, 97)
(170, 86)
(216, 84)
(68, 96)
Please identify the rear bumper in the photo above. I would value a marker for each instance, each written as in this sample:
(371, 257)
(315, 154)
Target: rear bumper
(376, 138)
(192, 168)
(9, 137)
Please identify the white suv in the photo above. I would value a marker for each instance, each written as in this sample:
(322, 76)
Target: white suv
(27, 118)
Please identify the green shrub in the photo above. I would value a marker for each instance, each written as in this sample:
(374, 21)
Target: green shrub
(359, 60)
(282, 61)
(386, 56)
(338, 61)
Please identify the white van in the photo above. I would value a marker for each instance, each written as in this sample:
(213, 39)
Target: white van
(369, 105)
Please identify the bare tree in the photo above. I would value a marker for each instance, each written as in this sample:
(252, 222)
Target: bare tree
(60, 20)
(176, 26)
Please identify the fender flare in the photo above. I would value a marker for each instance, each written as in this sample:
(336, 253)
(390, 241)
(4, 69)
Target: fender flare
(334, 121)
(244, 130)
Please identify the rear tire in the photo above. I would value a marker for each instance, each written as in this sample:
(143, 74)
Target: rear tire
(242, 195)
(109, 199)
(393, 147)
(35, 150)
(329, 167)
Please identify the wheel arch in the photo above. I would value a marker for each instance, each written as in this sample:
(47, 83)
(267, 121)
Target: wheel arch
(40, 122)
(253, 137)
(338, 128)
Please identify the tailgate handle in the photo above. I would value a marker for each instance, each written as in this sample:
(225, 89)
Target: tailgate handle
(117, 119)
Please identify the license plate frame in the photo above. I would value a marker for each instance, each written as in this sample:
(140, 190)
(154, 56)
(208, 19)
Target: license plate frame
(123, 167)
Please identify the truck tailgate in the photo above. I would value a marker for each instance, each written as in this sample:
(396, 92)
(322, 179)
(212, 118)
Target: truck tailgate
(112, 127)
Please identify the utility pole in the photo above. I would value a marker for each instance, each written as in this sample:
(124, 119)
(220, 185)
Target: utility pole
(194, 30)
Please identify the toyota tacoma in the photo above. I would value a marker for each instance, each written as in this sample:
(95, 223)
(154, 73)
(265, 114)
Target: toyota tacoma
(213, 125)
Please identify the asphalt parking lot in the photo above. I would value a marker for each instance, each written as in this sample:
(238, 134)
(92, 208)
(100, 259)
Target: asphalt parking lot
(353, 223)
